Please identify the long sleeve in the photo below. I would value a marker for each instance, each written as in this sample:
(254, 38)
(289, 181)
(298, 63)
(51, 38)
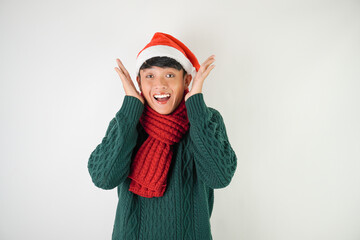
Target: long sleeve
(109, 164)
(214, 157)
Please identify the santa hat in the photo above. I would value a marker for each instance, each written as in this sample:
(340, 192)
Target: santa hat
(165, 45)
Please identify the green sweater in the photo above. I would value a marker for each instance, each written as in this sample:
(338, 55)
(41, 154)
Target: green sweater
(202, 161)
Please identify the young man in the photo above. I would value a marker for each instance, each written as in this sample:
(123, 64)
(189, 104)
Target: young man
(164, 150)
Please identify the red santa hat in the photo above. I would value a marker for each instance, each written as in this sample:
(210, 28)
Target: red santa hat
(165, 45)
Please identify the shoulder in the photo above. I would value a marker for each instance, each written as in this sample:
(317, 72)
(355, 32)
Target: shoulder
(198, 111)
(214, 111)
(215, 114)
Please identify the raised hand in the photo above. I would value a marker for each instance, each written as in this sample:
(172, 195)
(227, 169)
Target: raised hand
(127, 83)
(200, 76)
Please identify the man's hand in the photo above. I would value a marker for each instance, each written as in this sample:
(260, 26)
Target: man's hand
(200, 76)
(127, 83)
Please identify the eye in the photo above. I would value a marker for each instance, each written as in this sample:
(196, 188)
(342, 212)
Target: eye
(170, 75)
(149, 76)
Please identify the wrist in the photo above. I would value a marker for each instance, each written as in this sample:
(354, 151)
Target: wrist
(191, 93)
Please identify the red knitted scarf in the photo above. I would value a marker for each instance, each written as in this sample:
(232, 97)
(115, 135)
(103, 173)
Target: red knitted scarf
(150, 167)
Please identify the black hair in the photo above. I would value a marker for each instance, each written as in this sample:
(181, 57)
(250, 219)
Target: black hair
(162, 62)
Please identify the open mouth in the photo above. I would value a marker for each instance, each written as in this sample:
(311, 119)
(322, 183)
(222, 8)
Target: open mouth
(162, 98)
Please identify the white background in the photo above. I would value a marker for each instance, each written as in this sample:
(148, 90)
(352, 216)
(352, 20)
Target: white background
(286, 81)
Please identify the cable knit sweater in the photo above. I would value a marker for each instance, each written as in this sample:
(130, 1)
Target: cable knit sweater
(202, 161)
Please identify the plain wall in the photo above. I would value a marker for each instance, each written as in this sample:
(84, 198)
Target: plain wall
(286, 82)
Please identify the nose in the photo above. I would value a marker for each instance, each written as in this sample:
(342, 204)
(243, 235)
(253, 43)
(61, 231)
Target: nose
(160, 83)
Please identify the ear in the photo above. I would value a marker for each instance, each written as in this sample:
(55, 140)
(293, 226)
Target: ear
(188, 78)
(139, 82)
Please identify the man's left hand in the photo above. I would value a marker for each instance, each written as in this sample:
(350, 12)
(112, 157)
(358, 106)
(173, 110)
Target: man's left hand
(200, 76)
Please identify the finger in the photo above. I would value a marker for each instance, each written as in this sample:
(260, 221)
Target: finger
(208, 70)
(123, 73)
(128, 85)
(119, 63)
(211, 58)
(121, 66)
(120, 73)
(126, 73)
(207, 62)
(126, 81)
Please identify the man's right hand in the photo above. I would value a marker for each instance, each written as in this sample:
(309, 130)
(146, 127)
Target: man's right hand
(128, 84)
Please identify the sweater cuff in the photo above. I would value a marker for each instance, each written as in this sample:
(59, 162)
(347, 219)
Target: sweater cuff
(196, 107)
(132, 108)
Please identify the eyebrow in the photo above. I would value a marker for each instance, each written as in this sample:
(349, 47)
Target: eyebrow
(168, 69)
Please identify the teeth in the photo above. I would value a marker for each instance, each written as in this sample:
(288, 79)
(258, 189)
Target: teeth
(162, 96)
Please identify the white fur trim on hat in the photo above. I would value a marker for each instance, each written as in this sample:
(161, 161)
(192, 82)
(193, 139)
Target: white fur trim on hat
(165, 51)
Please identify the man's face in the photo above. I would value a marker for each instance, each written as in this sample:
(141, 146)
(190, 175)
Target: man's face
(157, 81)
